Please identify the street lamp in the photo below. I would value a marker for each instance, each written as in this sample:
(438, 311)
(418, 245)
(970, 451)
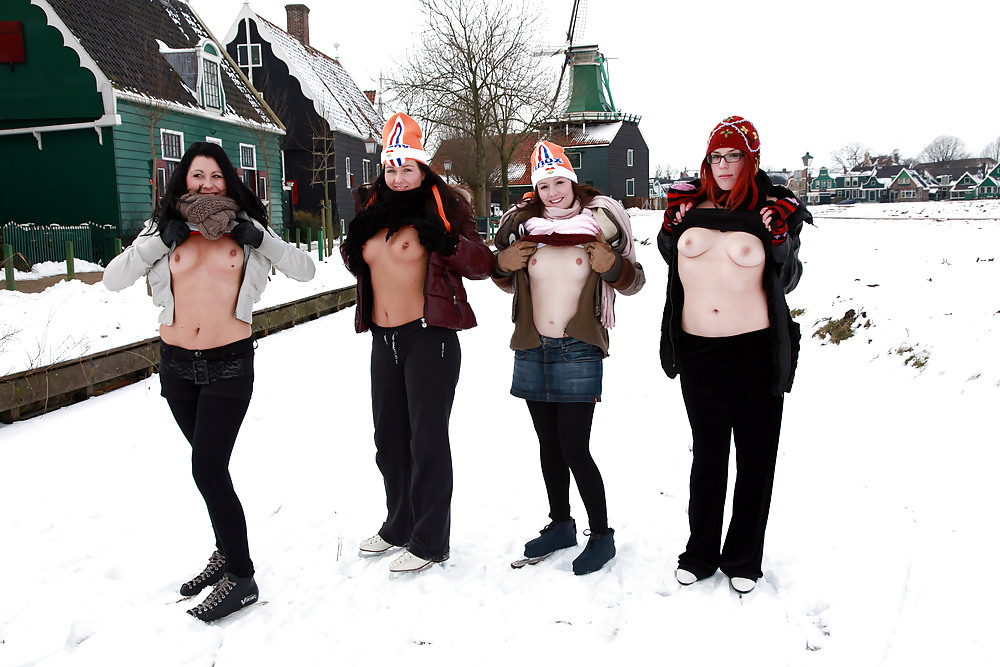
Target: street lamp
(370, 144)
(447, 171)
(807, 161)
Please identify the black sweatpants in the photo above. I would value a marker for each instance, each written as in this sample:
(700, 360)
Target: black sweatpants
(726, 384)
(414, 373)
(564, 444)
(209, 408)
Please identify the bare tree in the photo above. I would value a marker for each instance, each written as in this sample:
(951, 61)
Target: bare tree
(992, 150)
(850, 155)
(474, 74)
(267, 139)
(944, 149)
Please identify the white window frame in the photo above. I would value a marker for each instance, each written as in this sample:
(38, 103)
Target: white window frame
(214, 140)
(629, 187)
(171, 160)
(366, 171)
(247, 167)
(629, 157)
(579, 159)
(348, 176)
(216, 60)
(254, 59)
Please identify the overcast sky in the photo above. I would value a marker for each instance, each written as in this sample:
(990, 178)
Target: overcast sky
(813, 77)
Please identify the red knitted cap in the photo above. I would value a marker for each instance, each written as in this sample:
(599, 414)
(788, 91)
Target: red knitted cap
(737, 133)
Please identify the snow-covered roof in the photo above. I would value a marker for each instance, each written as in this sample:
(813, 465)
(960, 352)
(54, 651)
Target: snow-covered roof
(124, 38)
(334, 94)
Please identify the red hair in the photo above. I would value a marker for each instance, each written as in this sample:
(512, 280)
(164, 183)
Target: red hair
(731, 199)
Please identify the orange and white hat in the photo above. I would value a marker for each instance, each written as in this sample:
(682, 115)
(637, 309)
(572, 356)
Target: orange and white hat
(548, 161)
(402, 140)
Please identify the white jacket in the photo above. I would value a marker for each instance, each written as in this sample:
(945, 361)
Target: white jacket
(149, 256)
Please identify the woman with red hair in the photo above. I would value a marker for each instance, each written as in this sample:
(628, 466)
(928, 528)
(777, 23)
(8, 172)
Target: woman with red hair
(731, 241)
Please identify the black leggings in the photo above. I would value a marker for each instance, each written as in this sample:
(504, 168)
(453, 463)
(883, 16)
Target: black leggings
(414, 374)
(209, 415)
(564, 441)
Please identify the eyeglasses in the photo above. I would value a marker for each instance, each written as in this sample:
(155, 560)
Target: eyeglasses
(715, 158)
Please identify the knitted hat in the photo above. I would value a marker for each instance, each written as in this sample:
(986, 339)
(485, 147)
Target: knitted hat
(401, 140)
(549, 160)
(737, 133)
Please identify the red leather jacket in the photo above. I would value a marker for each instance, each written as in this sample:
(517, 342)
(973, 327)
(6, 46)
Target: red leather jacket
(445, 301)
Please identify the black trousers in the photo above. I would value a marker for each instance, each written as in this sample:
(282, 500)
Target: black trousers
(414, 372)
(564, 442)
(726, 384)
(208, 392)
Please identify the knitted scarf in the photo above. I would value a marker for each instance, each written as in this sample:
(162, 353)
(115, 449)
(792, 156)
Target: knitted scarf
(213, 215)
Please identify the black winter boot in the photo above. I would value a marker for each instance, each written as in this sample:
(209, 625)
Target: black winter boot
(211, 574)
(556, 535)
(599, 550)
(230, 594)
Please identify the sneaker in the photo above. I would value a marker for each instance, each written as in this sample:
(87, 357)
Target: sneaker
(231, 593)
(599, 550)
(557, 535)
(742, 584)
(685, 577)
(211, 574)
(373, 546)
(409, 562)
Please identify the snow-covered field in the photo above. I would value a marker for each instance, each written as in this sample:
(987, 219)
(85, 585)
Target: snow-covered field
(885, 486)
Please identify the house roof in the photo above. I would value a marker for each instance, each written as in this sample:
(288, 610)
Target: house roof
(124, 39)
(335, 95)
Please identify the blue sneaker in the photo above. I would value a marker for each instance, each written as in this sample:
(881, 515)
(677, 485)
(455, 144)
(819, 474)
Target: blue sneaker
(599, 550)
(556, 535)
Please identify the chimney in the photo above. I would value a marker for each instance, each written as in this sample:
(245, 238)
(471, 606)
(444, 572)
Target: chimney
(370, 94)
(298, 22)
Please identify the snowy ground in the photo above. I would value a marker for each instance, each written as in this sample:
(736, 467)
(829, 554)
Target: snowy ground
(884, 486)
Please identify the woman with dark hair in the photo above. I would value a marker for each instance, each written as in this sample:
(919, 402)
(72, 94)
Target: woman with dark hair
(731, 240)
(206, 254)
(410, 247)
(563, 254)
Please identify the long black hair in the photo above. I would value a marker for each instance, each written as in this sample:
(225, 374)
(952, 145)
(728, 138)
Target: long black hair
(456, 208)
(236, 189)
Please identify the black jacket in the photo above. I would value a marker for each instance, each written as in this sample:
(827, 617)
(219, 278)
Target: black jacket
(782, 270)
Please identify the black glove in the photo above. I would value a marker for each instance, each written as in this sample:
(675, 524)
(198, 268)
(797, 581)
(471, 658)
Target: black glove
(434, 237)
(246, 233)
(174, 232)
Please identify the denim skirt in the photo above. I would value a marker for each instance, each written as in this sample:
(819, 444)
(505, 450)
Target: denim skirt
(560, 370)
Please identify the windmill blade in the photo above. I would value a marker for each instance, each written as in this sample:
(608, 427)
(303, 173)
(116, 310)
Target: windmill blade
(570, 34)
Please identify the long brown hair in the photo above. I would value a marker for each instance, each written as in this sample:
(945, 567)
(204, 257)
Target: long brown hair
(728, 199)
(535, 208)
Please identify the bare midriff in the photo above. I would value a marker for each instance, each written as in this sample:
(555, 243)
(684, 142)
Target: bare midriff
(205, 280)
(557, 275)
(398, 267)
(723, 278)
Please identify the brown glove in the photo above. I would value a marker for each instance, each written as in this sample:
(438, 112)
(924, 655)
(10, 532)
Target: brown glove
(602, 257)
(515, 256)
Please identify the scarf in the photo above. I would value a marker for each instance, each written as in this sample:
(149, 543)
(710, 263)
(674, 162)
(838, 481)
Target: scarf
(213, 215)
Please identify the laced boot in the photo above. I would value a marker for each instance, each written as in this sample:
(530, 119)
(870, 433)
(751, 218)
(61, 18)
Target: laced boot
(231, 593)
(599, 550)
(211, 574)
(557, 535)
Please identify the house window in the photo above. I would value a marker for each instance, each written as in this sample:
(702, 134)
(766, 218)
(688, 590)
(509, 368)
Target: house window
(904, 180)
(262, 189)
(630, 187)
(211, 85)
(908, 194)
(944, 179)
(171, 149)
(366, 171)
(629, 157)
(248, 57)
(248, 164)
(347, 170)
(575, 159)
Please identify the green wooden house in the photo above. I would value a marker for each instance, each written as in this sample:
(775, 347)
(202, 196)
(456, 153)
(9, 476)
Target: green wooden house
(99, 101)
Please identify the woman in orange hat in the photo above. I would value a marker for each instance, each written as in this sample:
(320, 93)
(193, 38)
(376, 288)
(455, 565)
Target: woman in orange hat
(410, 248)
(731, 240)
(564, 253)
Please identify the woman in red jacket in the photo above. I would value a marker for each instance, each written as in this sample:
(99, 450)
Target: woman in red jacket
(410, 248)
